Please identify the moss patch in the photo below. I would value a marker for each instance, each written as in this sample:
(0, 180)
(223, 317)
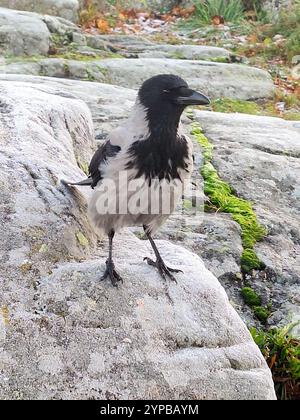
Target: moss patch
(235, 105)
(265, 108)
(249, 261)
(251, 298)
(223, 198)
(261, 313)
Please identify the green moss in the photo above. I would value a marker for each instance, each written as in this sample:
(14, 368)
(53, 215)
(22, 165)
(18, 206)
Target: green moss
(217, 59)
(250, 261)
(261, 313)
(292, 116)
(235, 105)
(251, 298)
(78, 56)
(89, 75)
(222, 197)
(178, 55)
(9, 59)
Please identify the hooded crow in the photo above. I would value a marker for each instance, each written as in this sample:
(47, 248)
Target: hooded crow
(139, 172)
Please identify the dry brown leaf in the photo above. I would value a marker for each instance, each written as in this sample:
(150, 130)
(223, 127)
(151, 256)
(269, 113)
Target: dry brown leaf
(218, 20)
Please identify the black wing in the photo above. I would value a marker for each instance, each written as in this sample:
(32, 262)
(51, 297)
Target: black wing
(104, 152)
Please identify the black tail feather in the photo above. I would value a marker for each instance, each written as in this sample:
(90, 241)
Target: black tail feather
(85, 182)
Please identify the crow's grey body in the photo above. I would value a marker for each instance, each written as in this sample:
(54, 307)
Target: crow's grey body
(115, 168)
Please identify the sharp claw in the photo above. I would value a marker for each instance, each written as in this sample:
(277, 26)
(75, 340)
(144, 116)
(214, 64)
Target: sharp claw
(163, 269)
(112, 274)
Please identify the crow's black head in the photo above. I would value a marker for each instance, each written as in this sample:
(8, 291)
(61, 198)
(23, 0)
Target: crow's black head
(169, 92)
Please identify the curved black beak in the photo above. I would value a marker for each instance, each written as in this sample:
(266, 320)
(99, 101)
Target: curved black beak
(195, 98)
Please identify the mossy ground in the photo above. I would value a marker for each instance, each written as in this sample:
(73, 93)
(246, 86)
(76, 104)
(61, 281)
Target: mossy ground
(223, 198)
(251, 298)
(254, 301)
(268, 108)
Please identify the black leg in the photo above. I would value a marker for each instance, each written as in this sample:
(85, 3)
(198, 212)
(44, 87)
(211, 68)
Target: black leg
(110, 266)
(159, 263)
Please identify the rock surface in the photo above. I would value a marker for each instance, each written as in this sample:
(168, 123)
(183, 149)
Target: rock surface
(109, 104)
(67, 9)
(214, 79)
(29, 34)
(143, 47)
(22, 33)
(64, 334)
(185, 52)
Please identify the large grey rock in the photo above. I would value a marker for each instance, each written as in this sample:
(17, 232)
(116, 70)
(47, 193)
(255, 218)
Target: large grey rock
(66, 335)
(215, 79)
(109, 104)
(26, 33)
(259, 157)
(22, 33)
(67, 9)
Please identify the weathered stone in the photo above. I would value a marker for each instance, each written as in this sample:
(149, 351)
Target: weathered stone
(25, 33)
(185, 52)
(123, 41)
(22, 33)
(214, 79)
(63, 333)
(109, 104)
(67, 9)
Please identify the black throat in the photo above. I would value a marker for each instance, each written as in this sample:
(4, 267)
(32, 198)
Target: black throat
(164, 151)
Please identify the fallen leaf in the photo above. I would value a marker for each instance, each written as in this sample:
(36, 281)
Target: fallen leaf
(218, 20)
(102, 25)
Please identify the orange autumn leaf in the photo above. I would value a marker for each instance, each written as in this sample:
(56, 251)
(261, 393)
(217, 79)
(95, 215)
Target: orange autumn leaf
(122, 17)
(272, 361)
(102, 25)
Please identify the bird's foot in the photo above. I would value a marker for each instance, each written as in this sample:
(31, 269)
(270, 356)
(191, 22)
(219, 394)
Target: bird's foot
(164, 271)
(110, 272)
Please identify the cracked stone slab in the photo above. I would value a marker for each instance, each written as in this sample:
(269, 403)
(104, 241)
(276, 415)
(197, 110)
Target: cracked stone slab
(66, 335)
